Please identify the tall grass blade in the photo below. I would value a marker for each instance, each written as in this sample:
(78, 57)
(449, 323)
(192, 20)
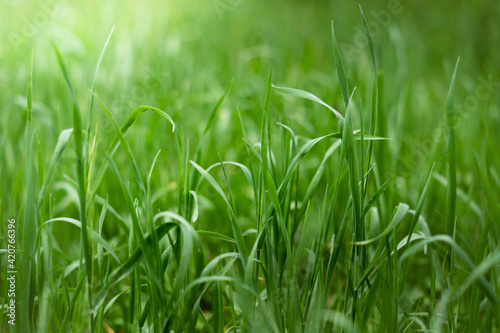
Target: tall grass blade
(452, 166)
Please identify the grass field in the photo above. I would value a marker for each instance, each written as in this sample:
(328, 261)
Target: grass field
(249, 166)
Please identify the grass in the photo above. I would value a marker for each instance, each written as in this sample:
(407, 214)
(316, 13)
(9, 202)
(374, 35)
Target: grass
(185, 198)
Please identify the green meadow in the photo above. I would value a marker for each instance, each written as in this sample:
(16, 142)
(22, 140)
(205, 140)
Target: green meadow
(249, 166)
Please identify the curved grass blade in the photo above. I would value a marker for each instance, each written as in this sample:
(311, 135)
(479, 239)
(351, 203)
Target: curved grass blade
(236, 228)
(116, 141)
(311, 97)
(483, 283)
(78, 224)
(375, 197)
(244, 169)
(194, 217)
(401, 211)
(215, 235)
(126, 147)
(294, 163)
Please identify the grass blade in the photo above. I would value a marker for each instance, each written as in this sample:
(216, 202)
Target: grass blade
(452, 166)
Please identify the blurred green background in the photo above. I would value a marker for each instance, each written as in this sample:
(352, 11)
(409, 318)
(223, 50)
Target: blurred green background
(179, 56)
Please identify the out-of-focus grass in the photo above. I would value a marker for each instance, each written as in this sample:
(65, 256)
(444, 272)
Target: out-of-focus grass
(263, 211)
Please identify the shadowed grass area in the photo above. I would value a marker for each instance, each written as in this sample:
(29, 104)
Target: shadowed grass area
(250, 166)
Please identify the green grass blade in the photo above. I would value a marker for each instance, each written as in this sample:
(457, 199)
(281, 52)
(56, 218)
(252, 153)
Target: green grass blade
(116, 141)
(400, 213)
(373, 200)
(213, 114)
(306, 95)
(340, 69)
(77, 223)
(67, 78)
(126, 147)
(370, 40)
(91, 103)
(420, 205)
(236, 228)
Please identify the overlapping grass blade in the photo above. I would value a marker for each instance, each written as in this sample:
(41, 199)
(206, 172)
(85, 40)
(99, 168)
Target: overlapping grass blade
(235, 227)
(399, 214)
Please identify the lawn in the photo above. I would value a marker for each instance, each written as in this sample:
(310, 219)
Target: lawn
(249, 166)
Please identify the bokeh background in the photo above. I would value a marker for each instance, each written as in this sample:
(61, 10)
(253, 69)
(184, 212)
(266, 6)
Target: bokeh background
(179, 56)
